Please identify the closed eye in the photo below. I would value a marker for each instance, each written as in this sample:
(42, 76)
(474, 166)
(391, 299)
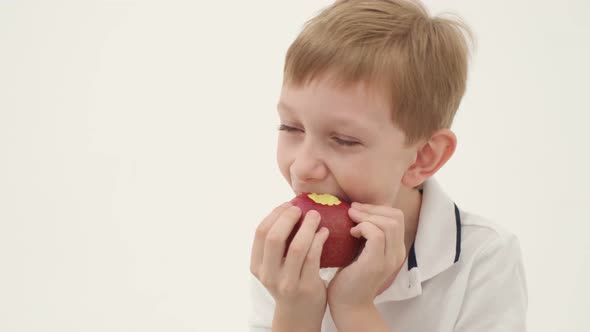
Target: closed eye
(288, 128)
(338, 140)
(344, 142)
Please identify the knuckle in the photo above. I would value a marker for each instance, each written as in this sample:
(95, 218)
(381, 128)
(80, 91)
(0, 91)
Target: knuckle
(267, 280)
(389, 224)
(274, 239)
(394, 225)
(292, 212)
(278, 208)
(287, 288)
(380, 236)
(311, 257)
(261, 231)
(297, 249)
(306, 290)
(398, 214)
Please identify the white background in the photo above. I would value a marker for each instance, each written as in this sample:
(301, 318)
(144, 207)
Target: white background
(137, 155)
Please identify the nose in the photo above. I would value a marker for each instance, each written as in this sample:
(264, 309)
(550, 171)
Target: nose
(308, 165)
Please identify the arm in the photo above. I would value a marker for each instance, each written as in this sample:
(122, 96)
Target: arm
(283, 321)
(366, 318)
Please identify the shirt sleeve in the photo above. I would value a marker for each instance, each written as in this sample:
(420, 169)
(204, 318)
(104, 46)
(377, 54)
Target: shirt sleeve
(496, 297)
(262, 307)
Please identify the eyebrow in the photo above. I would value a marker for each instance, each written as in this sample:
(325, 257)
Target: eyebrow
(283, 106)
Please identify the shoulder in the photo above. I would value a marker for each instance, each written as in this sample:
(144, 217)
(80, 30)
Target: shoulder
(480, 234)
(493, 276)
(488, 246)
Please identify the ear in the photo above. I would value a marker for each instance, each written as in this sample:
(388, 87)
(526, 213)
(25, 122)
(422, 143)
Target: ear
(430, 157)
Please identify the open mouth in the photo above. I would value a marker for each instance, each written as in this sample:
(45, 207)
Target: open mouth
(341, 197)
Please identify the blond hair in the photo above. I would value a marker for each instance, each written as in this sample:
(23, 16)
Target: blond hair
(418, 62)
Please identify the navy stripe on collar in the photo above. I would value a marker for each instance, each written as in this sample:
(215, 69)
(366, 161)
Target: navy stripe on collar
(412, 262)
(458, 244)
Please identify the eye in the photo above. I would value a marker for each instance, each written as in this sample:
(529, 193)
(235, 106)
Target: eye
(344, 142)
(288, 128)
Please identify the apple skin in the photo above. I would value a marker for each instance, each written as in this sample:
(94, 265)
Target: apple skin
(340, 248)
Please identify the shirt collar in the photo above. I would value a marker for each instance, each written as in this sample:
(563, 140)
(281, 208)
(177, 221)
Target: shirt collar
(436, 248)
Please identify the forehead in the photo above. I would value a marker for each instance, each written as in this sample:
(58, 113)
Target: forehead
(339, 103)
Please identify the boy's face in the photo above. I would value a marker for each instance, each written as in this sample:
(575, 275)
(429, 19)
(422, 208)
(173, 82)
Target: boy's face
(341, 141)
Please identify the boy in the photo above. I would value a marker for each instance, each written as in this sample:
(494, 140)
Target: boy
(369, 94)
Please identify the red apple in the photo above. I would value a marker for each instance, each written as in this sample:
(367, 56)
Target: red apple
(341, 248)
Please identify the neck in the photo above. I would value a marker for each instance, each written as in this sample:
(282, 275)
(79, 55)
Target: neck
(409, 201)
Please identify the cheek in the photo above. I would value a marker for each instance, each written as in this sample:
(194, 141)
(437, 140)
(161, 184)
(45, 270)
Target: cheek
(356, 178)
(377, 183)
(284, 159)
(378, 190)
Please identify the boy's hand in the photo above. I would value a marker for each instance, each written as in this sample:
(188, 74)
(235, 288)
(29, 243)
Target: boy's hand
(293, 281)
(357, 285)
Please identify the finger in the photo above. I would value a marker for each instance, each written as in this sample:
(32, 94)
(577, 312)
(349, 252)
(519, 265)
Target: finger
(311, 264)
(375, 244)
(301, 243)
(382, 210)
(275, 242)
(260, 236)
(393, 229)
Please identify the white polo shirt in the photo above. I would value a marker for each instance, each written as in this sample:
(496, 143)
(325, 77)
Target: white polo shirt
(464, 273)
